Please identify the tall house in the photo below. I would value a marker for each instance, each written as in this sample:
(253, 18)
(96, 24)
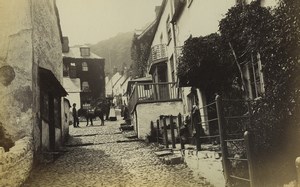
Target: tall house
(86, 71)
(30, 86)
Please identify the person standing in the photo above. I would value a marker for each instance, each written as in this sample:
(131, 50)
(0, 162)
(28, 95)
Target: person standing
(75, 116)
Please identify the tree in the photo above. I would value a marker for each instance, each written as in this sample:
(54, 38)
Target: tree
(275, 35)
(205, 65)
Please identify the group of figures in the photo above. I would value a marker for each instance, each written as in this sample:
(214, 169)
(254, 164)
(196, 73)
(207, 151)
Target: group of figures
(101, 110)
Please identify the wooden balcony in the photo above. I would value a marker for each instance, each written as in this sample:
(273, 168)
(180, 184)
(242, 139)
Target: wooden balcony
(153, 92)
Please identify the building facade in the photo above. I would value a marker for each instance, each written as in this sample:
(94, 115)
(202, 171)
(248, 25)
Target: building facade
(80, 63)
(30, 84)
(178, 20)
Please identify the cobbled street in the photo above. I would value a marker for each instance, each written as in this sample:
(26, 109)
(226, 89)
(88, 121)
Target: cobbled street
(104, 156)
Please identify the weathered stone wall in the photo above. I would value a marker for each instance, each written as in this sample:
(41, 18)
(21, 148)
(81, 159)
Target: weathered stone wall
(47, 50)
(148, 112)
(47, 42)
(30, 37)
(15, 165)
(16, 68)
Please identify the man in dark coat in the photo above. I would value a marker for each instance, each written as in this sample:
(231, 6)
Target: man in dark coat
(75, 116)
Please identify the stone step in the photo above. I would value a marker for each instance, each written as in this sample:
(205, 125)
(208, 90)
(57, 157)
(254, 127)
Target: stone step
(163, 153)
(172, 159)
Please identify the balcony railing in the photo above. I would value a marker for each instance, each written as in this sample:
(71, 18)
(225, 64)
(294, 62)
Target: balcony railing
(153, 92)
(158, 53)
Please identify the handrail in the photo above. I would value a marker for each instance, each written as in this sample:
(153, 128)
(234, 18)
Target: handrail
(152, 92)
(158, 83)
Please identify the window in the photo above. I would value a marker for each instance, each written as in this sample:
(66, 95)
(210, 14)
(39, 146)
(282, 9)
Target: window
(168, 29)
(85, 86)
(84, 51)
(254, 77)
(86, 105)
(85, 67)
(73, 70)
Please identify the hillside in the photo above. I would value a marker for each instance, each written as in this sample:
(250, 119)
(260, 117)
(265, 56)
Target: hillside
(115, 50)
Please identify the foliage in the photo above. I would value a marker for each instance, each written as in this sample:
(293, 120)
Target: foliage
(204, 65)
(277, 115)
(139, 55)
(244, 27)
(140, 50)
(275, 35)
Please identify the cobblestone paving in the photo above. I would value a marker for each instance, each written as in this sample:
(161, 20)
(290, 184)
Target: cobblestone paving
(103, 160)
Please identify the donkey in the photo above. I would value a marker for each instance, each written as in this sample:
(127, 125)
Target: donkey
(92, 113)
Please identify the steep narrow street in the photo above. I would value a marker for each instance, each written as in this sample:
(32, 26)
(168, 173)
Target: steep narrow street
(103, 156)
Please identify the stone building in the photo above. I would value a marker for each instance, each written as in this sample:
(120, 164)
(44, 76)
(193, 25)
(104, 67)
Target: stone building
(81, 64)
(30, 85)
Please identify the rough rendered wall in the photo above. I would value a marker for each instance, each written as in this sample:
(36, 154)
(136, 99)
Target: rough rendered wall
(16, 68)
(28, 35)
(16, 89)
(46, 37)
(16, 164)
(47, 49)
(151, 111)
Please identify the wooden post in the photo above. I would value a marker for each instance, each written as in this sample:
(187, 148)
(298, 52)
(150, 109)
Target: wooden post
(158, 130)
(222, 127)
(172, 132)
(297, 162)
(152, 130)
(180, 135)
(198, 143)
(251, 165)
(165, 132)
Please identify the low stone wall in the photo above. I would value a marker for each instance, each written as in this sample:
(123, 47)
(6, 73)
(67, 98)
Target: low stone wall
(16, 164)
(147, 112)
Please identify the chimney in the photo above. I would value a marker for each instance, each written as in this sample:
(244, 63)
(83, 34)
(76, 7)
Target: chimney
(157, 10)
(65, 45)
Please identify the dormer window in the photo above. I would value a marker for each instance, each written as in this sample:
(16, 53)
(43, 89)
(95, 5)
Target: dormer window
(84, 51)
(85, 67)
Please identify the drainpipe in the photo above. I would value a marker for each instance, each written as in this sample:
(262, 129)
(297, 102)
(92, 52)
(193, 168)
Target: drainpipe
(175, 47)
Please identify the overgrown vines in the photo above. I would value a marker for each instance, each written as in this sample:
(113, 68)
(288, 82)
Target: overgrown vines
(245, 31)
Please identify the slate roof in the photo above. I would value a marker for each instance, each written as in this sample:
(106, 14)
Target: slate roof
(74, 52)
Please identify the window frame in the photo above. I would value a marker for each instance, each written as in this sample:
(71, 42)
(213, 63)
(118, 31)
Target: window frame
(84, 66)
(254, 77)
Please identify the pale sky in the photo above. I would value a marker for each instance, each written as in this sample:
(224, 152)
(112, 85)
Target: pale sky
(90, 21)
